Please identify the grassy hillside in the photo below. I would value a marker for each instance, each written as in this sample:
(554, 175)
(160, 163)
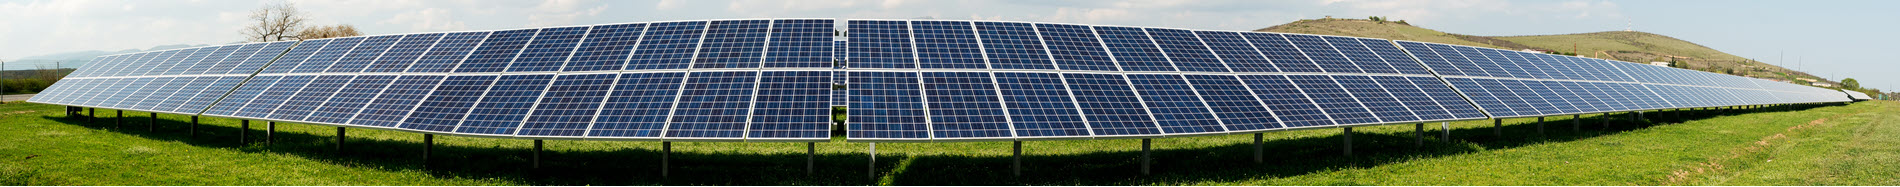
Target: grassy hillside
(1626, 46)
(1808, 145)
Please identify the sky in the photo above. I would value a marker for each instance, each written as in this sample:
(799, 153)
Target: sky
(1832, 39)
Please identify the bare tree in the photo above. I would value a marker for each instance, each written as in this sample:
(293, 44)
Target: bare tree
(333, 31)
(274, 22)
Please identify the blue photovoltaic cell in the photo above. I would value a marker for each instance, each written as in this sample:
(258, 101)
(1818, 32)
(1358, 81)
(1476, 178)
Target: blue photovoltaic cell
(1236, 52)
(1237, 107)
(1420, 104)
(1176, 108)
(880, 44)
(1292, 106)
(713, 105)
(1133, 50)
(1039, 105)
(791, 104)
(205, 61)
(1559, 68)
(253, 61)
(885, 105)
(445, 107)
(638, 106)
(1505, 62)
(149, 94)
(947, 45)
(1599, 98)
(1012, 45)
(962, 105)
(1485, 99)
(1382, 103)
(1557, 102)
(242, 95)
(837, 54)
(1577, 98)
(184, 61)
(1110, 104)
(1342, 106)
(733, 44)
(350, 99)
(1514, 95)
(402, 54)
(549, 50)
(569, 105)
(329, 55)
(446, 54)
(667, 45)
(838, 97)
(112, 96)
(495, 52)
(313, 95)
(132, 65)
(800, 43)
(1360, 55)
(289, 60)
(175, 93)
(1328, 58)
(505, 104)
(158, 65)
(103, 87)
(1484, 62)
(1284, 56)
(1460, 62)
(606, 47)
(1535, 67)
(274, 97)
(1439, 63)
(1445, 96)
(396, 102)
(1392, 55)
(118, 66)
(1075, 47)
(362, 55)
(202, 98)
(1186, 50)
(219, 64)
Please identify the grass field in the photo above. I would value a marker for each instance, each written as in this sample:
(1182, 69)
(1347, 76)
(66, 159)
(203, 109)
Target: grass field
(1852, 144)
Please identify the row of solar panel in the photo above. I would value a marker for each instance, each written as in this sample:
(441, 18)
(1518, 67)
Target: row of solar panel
(736, 105)
(791, 43)
(1049, 46)
(1857, 95)
(900, 105)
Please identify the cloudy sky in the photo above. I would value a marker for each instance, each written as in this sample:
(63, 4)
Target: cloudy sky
(1833, 39)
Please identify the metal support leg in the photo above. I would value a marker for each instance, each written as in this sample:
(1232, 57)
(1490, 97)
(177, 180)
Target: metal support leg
(244, 131)
(428, 148)
(339, 139)
(811, 154)
(91, 114)
(270, 128)
(118, 120)
(1258, 153)
(152, 126)
(1418, 133)
(194, 127)
(1576, 122)
(1016, 159)
(1497, 127)
(666, 154)
(1540, 125)
(1606, 121)
(1146, 158)
(537, 154)
(1444, 128)
(1348, 136)
(871, 169)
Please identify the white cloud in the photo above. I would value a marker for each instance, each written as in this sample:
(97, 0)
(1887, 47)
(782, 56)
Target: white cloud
(426, 20)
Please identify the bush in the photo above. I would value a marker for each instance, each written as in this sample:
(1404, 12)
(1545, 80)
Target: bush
(24, 86)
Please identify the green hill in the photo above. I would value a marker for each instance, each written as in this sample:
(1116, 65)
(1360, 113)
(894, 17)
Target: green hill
(1626, 46)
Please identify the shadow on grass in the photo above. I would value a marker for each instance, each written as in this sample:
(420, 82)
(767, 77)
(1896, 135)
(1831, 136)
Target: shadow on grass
(1232, 162)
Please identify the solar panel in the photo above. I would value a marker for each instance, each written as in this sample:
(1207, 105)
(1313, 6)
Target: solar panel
(1342, 107)
(733, 44)
(249, 89)
(350, 99)
(1110, 104)
(506, 103)
(569, 105)
(1235, 52)
(289, 60)
(161, 94)
(791, 105)
(1359, 55)
(964, 105)
(362, 55)
(713, 105)
(1398, 58)
(445, 107)
(1381, 103)
(142, 93)
(279, 92)
(494, 53)
(204, 97)
(880, 44)
(445, 55)
(1133, 50)
(799, 43)
(1282, 53)
(204, 62)
(1040, 105)
(639, 105)
(254, 61)
(1186, 50)
(161, 63)
(404, 53)
(1328, 58)
(606, 47)
(947, 45)
(549, 50)
(1176, 107)
(390, 107)
(328, 56)
(1241, 107)
(313, 95)
(886, 105)
(667, 45)
(1013, 45)
(1074, 47)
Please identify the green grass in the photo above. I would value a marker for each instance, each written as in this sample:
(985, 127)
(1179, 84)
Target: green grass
(70, 151)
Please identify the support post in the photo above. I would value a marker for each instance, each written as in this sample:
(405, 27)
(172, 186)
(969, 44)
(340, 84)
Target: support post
(537, 154)
(244, 131)
(1258, 153)
(1576, 122)
(1146, 158)
(270, 128)
(194, 127)
(1445, 129)
(871, 169)
(666, 154)
(1540, 125)
(1418, 132)
(1606, 121)
(428, 148)
(339, 139)
(811, 154)
(152, 125)
(1348, 136)
(118, 120)
(1016, 159)
(1497, 127)
(91, 114)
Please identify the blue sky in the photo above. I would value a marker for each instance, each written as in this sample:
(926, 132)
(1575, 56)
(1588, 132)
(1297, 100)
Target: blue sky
(1833, 39)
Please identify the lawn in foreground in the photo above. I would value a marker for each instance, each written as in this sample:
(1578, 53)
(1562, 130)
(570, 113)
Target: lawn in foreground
(69, 151)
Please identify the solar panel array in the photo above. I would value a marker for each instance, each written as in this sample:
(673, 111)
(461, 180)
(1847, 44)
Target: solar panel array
(1857, 96)
(910, 80)
(717, 80)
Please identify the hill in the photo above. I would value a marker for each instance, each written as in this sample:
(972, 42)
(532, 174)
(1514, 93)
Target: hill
(77, 58)
(1629, 46)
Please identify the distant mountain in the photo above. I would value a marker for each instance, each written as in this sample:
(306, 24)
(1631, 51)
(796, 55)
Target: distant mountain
(1629, 46)
(77, 58)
